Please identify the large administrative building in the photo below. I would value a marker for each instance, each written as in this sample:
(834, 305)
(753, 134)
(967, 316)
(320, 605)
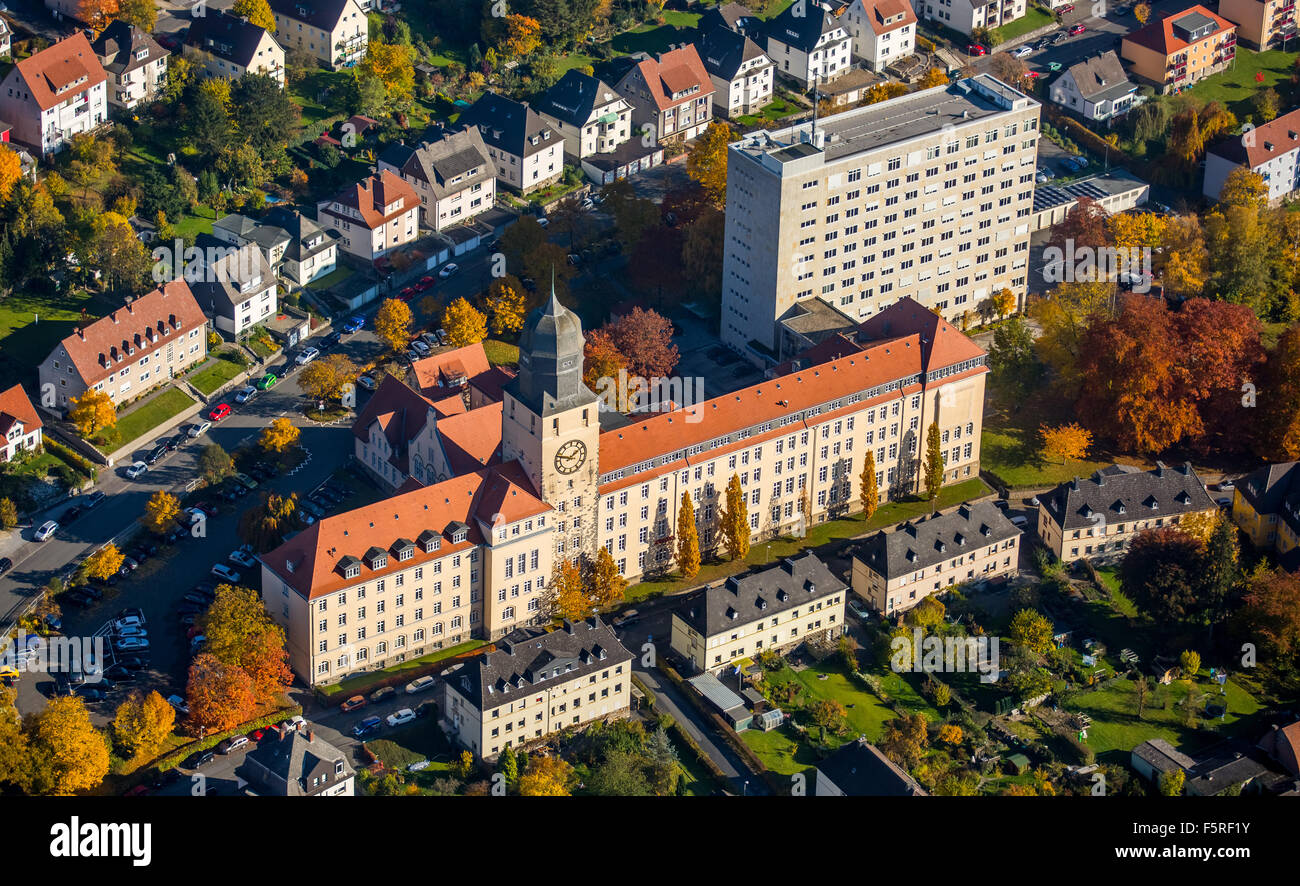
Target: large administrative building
(496, 477)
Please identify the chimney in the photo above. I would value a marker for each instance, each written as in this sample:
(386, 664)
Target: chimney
(1160, 469)
(81, 333)
(311, 736)
(113, 315)
(127, 302)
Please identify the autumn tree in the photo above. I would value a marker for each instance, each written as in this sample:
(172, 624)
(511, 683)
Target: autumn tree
(1004, 302)
(521, 35)
(505, 304)
(392, 64)
(324, 379)
(931, 78)
(868, 491)
(1142, 12)
(8, 513)
(264, 525)
(1246, 253)
(601, 360)
(645, 339)
(104, 562)
(1270, 614)
(1193, 128)
(1086, 225)
(91, 413)
(13, 741)
(160, 512)
(1011, 70)
(96, 13)
(1031, 631)
(1160, 572)
(65, 753)
(257, 12)
(734, 521)
(1066, 317)
(1171, 782)
(279, 436)
(115, 250)
(465, 324)
(219, 695)
(11, 170)
(142, 723)
(702, 243)
(688, 539)
(141, 13)
(1190, 663)
(933, 464)
(393, 323)
(546, 776)
(1013, 365)
(906, 739)
(830, 715)
(215, 464)
(707, 161)
(1278, 430)
(241, 633)
(883, 92)
(570, 598)
(607, 583)
(1065, 442)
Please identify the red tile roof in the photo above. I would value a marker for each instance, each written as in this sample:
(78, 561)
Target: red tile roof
(401, 414)
(675, 71)
(878, 11)
(1160, 36)
(130, 326)
(65, 69)
(372, 195)
(472, 439)
(435, 375)
(1266, 142)
(16, 406)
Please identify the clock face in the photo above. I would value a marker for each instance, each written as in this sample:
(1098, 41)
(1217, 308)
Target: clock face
(570, 456)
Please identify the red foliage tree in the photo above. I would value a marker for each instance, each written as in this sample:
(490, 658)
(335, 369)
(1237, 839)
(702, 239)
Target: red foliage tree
(645, 338)
(1085, 225)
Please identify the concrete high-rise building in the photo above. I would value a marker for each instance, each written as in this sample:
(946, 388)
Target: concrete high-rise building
(928, 196)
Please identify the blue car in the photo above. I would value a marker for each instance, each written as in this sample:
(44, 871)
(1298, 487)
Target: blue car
(354, 325)
(367, 726)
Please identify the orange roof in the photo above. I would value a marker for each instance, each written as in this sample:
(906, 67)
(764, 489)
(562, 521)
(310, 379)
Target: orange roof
(141, 325)
(436, 374)
(69, 64)
(879, 11)
(453, 405)
(371, 197)
(401, 414)
(310, 561)
(675, 71)
(942, 343)
(471, 439)
(1160, 36)
(15, 406)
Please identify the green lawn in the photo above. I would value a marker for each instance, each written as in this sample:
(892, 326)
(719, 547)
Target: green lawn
(678, 27)
(215, 374)
(778, 109)
(143, 419)
(362, 682)
(1236, 87)
(31, 324)
(500, 353)
(1033, 18)
(762, 553)
(338, 275)
(190, 226)
(319, 93)
(1012, 453)
(262, 347)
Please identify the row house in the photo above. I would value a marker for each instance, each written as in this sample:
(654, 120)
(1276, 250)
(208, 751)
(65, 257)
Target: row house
(965, 16)
(1180, 50)
(55, 94)
(335, 32)
(671, 96)
(451, 172)
(373, 217)
(1261, 24)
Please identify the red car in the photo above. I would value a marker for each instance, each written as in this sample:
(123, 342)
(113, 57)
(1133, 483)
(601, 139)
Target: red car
(407, 292)
(424, 284)
(975, 49)
(220, 412)
(1032, 75)
(353, 703)
(1077, 29)
(256, 734)
(1069, 7)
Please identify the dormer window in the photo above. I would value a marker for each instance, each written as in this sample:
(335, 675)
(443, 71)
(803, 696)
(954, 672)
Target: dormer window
(376, 558)
(429, 541)
(403, 549)
(350, 567)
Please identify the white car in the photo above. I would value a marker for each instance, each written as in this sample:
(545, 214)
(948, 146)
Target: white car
(419, 685)
(131, 644)
(543, 222)
(136, 631)
(405, 715)
(234, 743)
(448, 269)
(245, 394)
(225, 573)
(178, 703)
(306, 356)
(136, 470)
(1023, 51)
(199, 429)
(47, 530)
(130, 621)
(242, 558)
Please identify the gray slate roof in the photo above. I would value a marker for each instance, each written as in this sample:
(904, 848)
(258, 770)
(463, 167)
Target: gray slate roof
(119, 43)
(323, 14)
(1121, 493)
(724, 51)
(922, 543)
(441, 157)
(531, 657)
(860, 770)
(287, 765)
(226, 37)
(575, 97)
(742, 599)
(802, 30)
(1274, 489)
(306, 238)
(264, 233)
(220, 296)
(509, 126)
(1101, 78)
(728, 15)
(1161, 756)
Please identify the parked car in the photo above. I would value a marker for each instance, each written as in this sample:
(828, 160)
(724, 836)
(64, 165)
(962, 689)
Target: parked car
(308, 355)
(333, 339)
(311, 508)
(245, 394)
(199, 429)
(367, 726)
(405, 715)
(543, 222)
(174, 442)
(93, 500)
(1024, 51)
(199, 759)
(135, 662)
(366, 382)
(232, 744)
(975, 49)
(219, 412)
(178, 703)
(268, 381)
(1069, 7)
(1054, 66)
(1019, 520)
(156, 453)
(448, 270)
(225, 573)
(131, 631)
(419, 685)
(119, 674)
(242, 558)
(354, 703)
(129, 621)
(46, 531)
(245, 480)
(354, 324)
(5, 565)
(1075, 30)
(383, 693)
(136, 469)
(296, 722)
(426, 283)
(71, 514)
(420, 347)
(130, 644)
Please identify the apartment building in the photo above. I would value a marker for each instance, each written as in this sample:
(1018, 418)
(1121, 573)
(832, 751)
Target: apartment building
(589, 114)
(374, 216)
(237, 290)
(293, 763)
(671, 96)
(236, 230)
(55, 94)
(227, 47)
(144, 343)
(896, 569)
(536, 683)
(1266, 506)
(741, 72)
(927, 196)
(451, 172)
(796, 601)
(6, 40)
(1181, 49)
(808, 42)
(1097, 517)
(1096, 88)
(334, 31)
(526, 153)
(135, 63)
(883, 31)
(1262, 24)
(20, 425)
(967, 15)
(1272, 150)
(311, 252)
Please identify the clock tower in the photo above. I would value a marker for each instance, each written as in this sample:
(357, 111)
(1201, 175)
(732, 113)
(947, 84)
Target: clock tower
(551, 425)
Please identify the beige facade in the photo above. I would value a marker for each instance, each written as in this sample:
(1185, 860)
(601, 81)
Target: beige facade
(1261, 24)
(336, 33)
(1180, 50)
(928, 196)
(967, 15)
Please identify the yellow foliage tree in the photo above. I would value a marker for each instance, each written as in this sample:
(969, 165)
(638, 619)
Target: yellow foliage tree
(324, 379)
(1142, 12)
(607, 583)
(393, 65)
(707, 162)
(950, 734)
(735, 521)
(1004, 302)
(688, 538)
(92, 412)
(1065, 442)
(522, 35)
(142, 723)
(11, 169)
(103, 562)
(279, 435)
(96, 13)
(66, 754)
(160, 512)
(465, 324)
(393, 323)
(505, 303)
(258, 12)
(931, 78)
(868, 491)
(571, 600)
(546, 776)
(141, 13)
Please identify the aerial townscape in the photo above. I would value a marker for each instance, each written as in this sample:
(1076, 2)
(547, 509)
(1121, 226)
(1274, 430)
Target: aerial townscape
(593, 398)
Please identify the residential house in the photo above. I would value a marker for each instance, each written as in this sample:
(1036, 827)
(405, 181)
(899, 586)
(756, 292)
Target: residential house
(965, 16)
(20, 425)
(1181, 49)
(55, 94)
(1262, 23)
(1225, 770)
(859, 769)
(526, 153)
(236, 230)
(1266, 506)
(883, 31)
(795, 601)
(1282, 743)
(334, 31)
(741, 72)
(227, 47)
(731, 16)
(374, 216)
(590, 116)
(1098, 517)
(136, 64)
(237, 290)
(1271, 149)
(138, 346)
(537, 683)
(297, 763)
(896, 569)
(809, 43)
(1096, 88)
(450, 171)
(6, 39)
(465, 372)
(671, 94)
(311, 253)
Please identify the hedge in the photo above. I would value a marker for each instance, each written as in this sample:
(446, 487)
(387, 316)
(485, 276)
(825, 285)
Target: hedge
(211, 741)
(76, 459)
